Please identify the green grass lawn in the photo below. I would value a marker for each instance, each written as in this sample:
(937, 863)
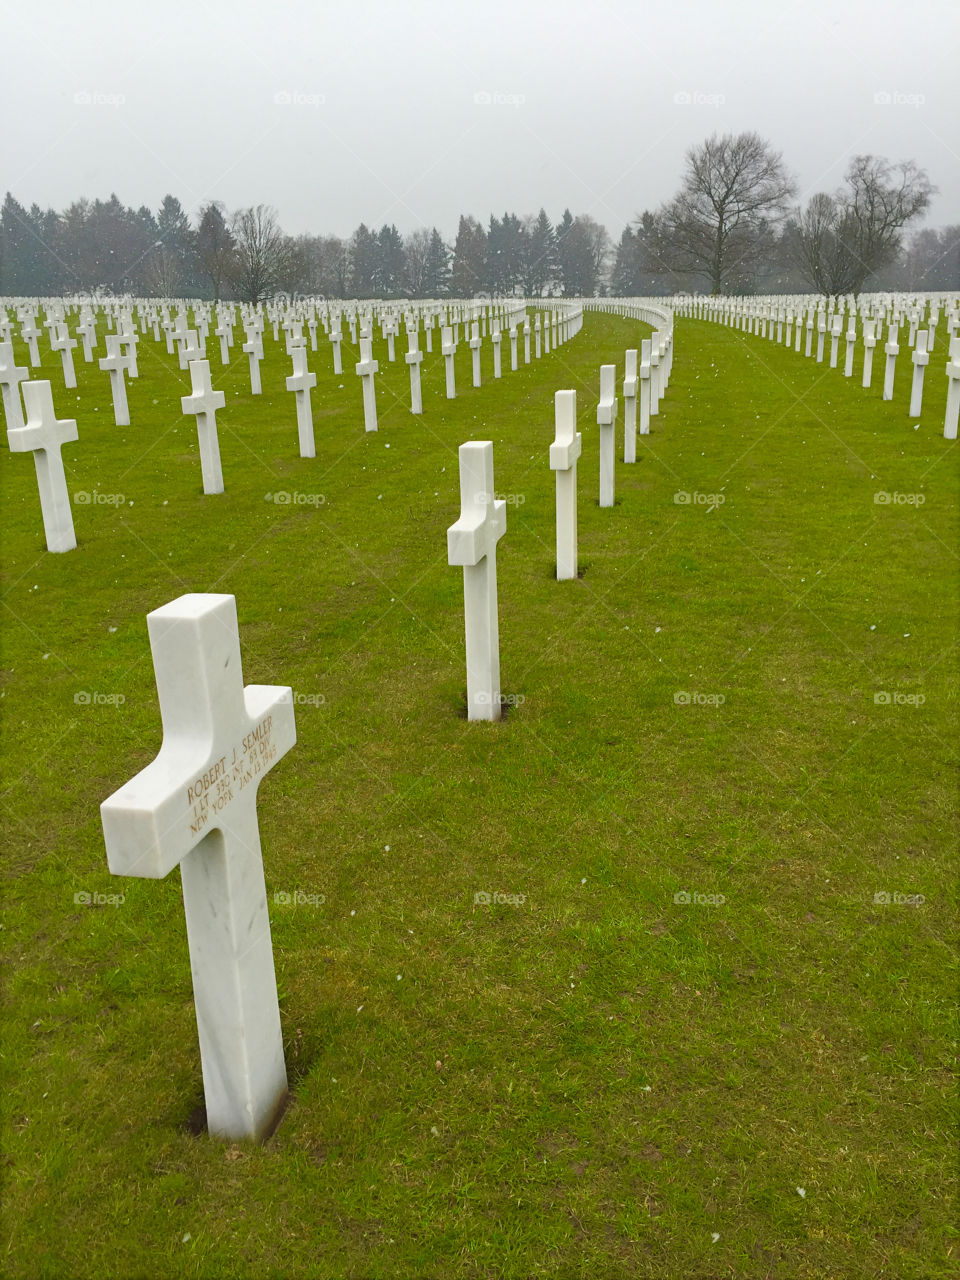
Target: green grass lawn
(600, 1081)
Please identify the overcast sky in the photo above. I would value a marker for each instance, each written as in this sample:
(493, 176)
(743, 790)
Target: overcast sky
(413, 112)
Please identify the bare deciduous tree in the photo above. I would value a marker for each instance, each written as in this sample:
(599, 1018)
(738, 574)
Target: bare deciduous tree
(841, 239)
(261, 252)
(735, 189)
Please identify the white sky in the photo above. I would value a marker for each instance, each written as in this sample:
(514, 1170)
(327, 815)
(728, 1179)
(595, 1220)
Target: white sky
(383, 123)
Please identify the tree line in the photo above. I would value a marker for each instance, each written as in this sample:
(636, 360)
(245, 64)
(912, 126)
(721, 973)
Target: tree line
(733, 226)
(103, 245)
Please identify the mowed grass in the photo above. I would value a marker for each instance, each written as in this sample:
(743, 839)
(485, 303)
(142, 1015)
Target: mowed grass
(600, 1081)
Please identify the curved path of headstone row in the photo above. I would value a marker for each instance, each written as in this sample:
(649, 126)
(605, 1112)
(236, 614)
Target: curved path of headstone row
(553, 323)
(784, 319)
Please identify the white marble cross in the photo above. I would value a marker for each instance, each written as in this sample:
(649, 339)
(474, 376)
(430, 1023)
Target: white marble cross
(204, 402)
(129, 341)
(526, 340)
(336, 337)
(223, 333)
(115, 363)
(43, 435)
(195, 806)
(301, 381)
(538, 341)
(892, 348)
(513, 347)
(921, 358)
(30, 333)
(932, 326)
(835, 330)
(475, 349)
(564, 452)
(607, 422)
(472, 543)
(61, 341)
(449, 349)
(953, 391)
(367, 368)
(869, 342)
(655, 372)
(253, 348)
(496, 338)
(821, 335)
(644, 375)
(11, 375)
(851, 340)
(177, 333)
(413, 358)
(630, 388)
(87, 329)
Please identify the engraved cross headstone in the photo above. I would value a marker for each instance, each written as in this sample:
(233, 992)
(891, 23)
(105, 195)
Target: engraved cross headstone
(195, 806)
